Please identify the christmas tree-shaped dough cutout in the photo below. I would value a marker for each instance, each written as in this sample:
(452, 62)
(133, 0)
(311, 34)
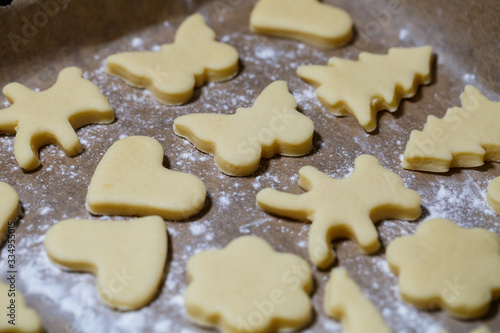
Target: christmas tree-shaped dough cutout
(465, 137)
(131, 180)
(345, 207)
(9, 207)
(344, 301)
(17, 317)
(172, 73)
(128, 257)
(238, 141)
(51, 116)
(371, 84)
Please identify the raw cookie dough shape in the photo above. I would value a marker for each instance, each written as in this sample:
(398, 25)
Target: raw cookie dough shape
(51, 116)
(446, 266)
(238, 141)
(344, 301)
(371, 84)
(309, 21)
(465, 137)
(9, 207)
(480, 329)
(131, 180)
(248, 287)
(493, 195)
(26, 319)
(346, 207)
(128, 257)
(172, 73)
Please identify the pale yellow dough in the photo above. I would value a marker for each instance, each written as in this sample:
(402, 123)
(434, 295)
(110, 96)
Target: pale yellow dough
(344, 208)
(344, 301)
(128, 257)
(238, 141)
(493, 195)
(51, 116)
(131, 180)
(172, 73)
(465, 137)
(371, 84)
(446, 266)
(9, 207)
(309, 21)
(26, 319)
(480, 329)
(248, 287)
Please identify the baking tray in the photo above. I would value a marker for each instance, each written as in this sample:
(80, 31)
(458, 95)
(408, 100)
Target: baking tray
(464, 35)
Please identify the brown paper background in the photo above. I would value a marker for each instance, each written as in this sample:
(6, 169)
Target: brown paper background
(464, 35)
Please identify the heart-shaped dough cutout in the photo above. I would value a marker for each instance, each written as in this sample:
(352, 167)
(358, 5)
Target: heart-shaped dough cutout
(19, 318)
(131, 180)
(128, 257)
(9, 203)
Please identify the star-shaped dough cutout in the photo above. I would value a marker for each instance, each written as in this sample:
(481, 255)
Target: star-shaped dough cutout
(9, 206)
(248, 287)
(346, 207)
(445, 266)
(21, 319)
(172, 73)
(51, 116)
(371, 84)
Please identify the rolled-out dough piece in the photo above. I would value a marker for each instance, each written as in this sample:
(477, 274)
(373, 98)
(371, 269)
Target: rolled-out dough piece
(248, 287)
(371, 84)
(131, 180)
(465, 137)
(344, 301)
(344, 208)
(9, 207)
(51, 116)
(238, 141)
(127, 257)
(446, 266)
(493, 194)
(480, 329)
(309, 21)
(172, 73)
(25, 320)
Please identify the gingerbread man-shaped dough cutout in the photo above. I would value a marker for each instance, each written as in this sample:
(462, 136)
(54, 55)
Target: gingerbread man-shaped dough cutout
(51, 116)
(371, 84)
(238, 141)
(131, 180)
(344, 207)
(445, 266)
(172, 73)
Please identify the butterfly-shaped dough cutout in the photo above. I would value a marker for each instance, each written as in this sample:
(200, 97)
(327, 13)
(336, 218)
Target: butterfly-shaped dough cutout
(344, 208)
(309, 21)
(371, 84)
(344, 301)
(238, 141)
(445, 266)
(127, 257)
(248, 287)
(172, 73)
(131, 180)
(51, 116)
(465, 137)
(23, 319)
(9, 207)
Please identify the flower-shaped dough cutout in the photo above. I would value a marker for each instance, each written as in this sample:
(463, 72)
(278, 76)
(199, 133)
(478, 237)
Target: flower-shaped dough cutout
(345, 301)
(9, 207)
(128, 257)
(446, 266)
(374, 83)
(248, 287)
(18, 318)
(51, 116)
(344, 207)
(172, 73)
(309, 21)
(493, 195)
(238, 141)
(131, 180)
(465, 137)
